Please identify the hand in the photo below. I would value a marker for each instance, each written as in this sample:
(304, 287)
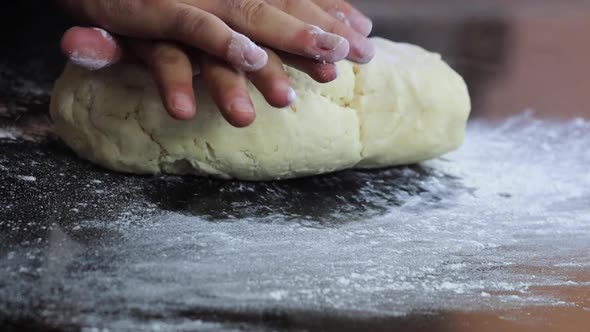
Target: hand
(292, 26)
(173, 67)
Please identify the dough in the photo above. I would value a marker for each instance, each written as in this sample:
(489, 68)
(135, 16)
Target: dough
(404, 107)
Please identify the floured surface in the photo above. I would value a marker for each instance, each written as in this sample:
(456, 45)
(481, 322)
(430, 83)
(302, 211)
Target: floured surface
(484, 229)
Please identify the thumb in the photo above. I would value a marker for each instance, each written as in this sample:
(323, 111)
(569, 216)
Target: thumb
(91, 48)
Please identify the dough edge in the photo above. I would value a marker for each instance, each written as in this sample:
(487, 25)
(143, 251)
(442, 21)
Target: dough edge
(135, 135)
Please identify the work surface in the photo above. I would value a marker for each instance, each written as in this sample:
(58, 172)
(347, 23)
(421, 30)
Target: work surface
(501, 225)
(493, 236)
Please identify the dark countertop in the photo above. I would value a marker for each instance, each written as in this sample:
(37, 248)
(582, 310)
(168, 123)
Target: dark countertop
(492, 237)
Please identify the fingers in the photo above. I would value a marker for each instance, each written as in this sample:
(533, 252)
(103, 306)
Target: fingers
(347, 14)
(91, 48)
(201, 24)
(322, 72)
(94, 49)
(272, 81)
(228, 89)
(362, 49)
(277, 29)
(199, 29)
(172, 20)
(173, 72)
(131, 18)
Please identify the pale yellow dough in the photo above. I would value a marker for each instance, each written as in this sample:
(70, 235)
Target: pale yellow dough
(404, 107)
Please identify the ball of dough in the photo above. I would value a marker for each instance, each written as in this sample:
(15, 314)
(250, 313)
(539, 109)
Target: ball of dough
(404, 107)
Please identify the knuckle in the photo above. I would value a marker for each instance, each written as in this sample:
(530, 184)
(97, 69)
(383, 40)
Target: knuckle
(344, 6)
(154, 3)
(251, 10)
(116, 13)
(283, 4)
(334, 5)
(121, 8)
(336, 27)
(187, 24)
(292, 6)
(167, 54)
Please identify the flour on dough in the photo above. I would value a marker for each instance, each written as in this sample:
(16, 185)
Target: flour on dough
(404, 107)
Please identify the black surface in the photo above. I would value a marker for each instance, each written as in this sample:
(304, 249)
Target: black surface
(30, 61)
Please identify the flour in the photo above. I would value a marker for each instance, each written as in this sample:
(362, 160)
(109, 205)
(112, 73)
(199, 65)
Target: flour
(342, 17)
(489, 227)
(245, 54)
(107, 36)
(90, 62)
(27, 178)
(9, 133)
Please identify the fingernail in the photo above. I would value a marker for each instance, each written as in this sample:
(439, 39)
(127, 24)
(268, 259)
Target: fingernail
(291, 95)
(105, 35)
(285, 88)
(92, 57)
(334, 47)
(182, 103)
(241, 105)
(256, 58)
(361, 24)
(363, 51)
(325, 40)
(355, 20)
(88, 59)
(245, 54)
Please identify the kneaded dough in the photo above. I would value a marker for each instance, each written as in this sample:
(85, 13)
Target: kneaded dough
(404, 107)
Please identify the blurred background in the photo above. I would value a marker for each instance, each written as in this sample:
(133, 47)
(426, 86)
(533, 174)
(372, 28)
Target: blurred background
(515, 55)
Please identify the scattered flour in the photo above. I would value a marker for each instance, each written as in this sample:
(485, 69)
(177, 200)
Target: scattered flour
(27, 178)
(515, 214)
(9, 133)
